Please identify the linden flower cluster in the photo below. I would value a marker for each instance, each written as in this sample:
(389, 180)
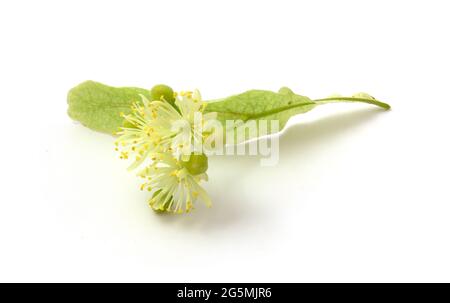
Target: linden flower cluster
(160, 135)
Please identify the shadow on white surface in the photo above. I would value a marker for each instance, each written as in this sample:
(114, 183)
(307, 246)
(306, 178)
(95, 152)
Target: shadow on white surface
(308, 134)
(227, 210)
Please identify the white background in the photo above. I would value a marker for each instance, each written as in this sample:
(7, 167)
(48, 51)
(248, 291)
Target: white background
(359, 194)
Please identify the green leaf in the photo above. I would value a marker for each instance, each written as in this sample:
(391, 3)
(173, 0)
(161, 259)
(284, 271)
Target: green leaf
(261, 105)
(99, 107)
(258, 105)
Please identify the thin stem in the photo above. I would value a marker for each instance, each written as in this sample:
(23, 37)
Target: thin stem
(351, 99)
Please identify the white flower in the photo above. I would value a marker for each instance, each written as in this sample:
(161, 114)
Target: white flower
(167, 136)
(156, 126)
(174, 188)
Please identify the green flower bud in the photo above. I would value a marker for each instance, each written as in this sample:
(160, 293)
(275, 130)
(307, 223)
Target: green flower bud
(197, 164)
(162, 92)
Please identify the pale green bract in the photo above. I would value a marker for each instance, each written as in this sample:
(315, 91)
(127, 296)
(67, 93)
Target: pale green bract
(99, 107)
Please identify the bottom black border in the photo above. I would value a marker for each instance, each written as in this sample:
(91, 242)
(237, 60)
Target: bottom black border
(225, 292)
